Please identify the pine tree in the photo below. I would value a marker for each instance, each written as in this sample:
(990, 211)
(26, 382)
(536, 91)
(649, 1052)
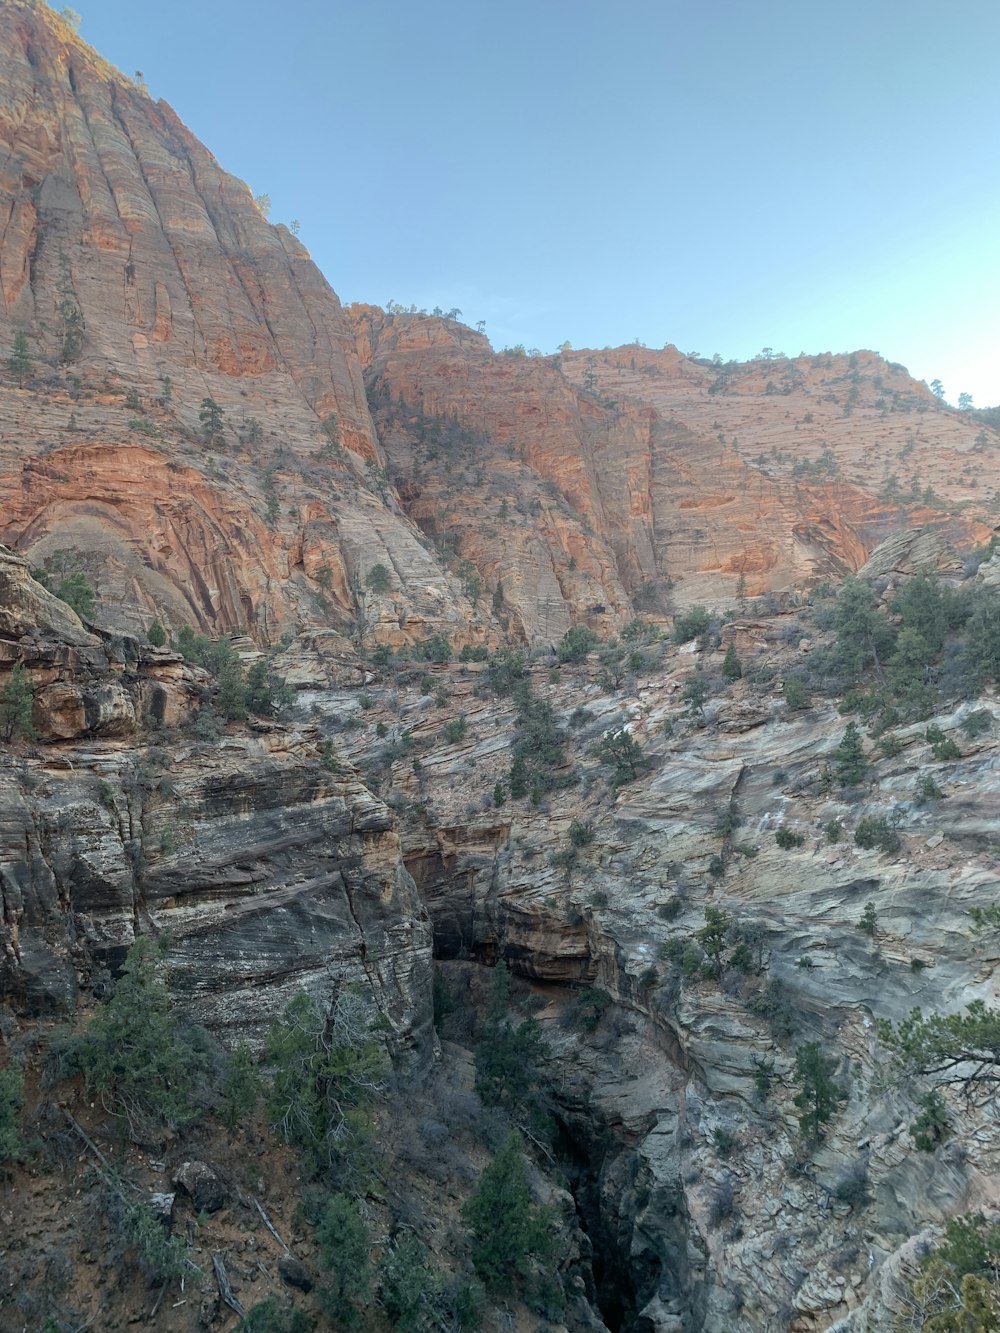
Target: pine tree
(19, 362)
(15, 705)
(732, 668)
(850, 766)
(509, 1232)
(344, 1247)
(818, 1096)
(211, 417)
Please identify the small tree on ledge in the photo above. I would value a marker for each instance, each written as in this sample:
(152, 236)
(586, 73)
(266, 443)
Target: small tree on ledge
(211, 416)
(378, 578)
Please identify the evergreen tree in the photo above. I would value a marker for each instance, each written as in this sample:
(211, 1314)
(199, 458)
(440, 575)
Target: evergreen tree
(576, 643)
(509, 1233)
(231, 700)
(344, 1245)
(156, 634)
(795, 694)
(818, 1096)
(624, 754)
(850, 766)
(378, 578)
(211, 418)
(15, 705)
(864, 635)
(510, 1057)
(732, 668)
(694, 694)
(258, 689)
(19, 362)
(135, 1054)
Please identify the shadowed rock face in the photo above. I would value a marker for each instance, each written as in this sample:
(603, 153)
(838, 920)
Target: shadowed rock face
(269, 873)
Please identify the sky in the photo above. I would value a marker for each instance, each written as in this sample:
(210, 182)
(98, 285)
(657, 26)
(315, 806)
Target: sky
(724, 175)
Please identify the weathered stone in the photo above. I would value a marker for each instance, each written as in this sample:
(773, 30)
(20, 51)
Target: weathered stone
(295, 1273)
(207, 1192)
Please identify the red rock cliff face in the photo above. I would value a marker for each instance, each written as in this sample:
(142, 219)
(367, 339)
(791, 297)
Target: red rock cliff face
(615, 470)
(587, 486)
(145, 280)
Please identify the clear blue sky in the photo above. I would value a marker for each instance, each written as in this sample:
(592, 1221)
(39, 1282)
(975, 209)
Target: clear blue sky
(720, 174)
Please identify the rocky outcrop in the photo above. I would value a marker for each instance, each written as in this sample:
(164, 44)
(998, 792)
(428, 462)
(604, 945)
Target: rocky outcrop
(268, 874)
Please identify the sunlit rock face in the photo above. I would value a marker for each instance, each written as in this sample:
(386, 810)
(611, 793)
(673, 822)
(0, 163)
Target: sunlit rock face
(146, 281)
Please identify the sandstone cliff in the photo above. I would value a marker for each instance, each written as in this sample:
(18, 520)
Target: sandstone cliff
(506, 498)
(146, 280)
(593, 483)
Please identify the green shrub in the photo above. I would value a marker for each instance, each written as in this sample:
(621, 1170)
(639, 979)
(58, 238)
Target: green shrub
(76, 591)
(576, 643)
(732, 668)
(435, 649)
(927, 789)
(931, 1126)
(724, 1141)
(977, 724)
(692, 624)
(942, 746)
(581, 834)
(12, 1146)
(474, 652)
(162, 1258)
(378, 578)
(504, 669)
(795, 694)
(410, 1288)
(786, 839)
(876, 831)
(143, 1064)
(454, 730)
(270, 1316)
(833, 829)
(156, 634)
(590, 1006)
